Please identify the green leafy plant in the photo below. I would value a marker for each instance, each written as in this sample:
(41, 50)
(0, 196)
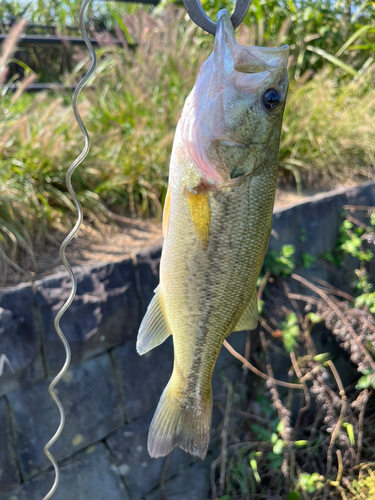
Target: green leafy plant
(351, 242)
(254, 465)
(366, 300)
(364, 485)
(313, 317)
(282, 264)
(327, 436)
(325, 131)
(350, 430)
(307, 260)
(132, 109)
(64, 15)
(130, 112)
(367, 380)
(293, 495)
(290, 331)
(318, 32)
(310, 483)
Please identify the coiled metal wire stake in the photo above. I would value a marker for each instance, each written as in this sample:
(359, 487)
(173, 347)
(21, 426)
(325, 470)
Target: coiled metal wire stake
(64, 244)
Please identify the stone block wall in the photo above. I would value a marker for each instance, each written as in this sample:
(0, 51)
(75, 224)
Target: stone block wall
(109, 392)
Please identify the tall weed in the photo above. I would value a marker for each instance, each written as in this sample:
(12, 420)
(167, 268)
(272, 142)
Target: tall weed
(131, 109)
(329, 130)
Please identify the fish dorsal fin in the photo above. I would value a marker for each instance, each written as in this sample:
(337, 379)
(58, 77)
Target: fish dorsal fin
(167, 205)
(199, 207)
(249, 318)
(154, 329)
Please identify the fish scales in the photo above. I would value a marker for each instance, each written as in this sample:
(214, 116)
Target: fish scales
(214, 287)
(216, 224)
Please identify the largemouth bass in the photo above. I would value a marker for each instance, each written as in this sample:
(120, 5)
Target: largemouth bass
(216, 224)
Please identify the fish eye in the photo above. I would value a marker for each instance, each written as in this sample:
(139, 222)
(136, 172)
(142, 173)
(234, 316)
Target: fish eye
(271, 99)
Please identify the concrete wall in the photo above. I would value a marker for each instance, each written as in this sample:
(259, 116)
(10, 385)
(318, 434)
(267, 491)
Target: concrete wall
(110, 392)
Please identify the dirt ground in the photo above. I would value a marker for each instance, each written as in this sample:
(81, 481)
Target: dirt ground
(110, 244)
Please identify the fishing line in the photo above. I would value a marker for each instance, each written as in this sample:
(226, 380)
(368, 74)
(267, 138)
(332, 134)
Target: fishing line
(64, 244)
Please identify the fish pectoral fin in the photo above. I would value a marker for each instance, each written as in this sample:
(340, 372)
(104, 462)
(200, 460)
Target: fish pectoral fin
(249, 318)
(199, 207)
(154, 329)
(167, 206)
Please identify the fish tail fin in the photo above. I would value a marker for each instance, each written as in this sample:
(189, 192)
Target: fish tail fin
(177, 424)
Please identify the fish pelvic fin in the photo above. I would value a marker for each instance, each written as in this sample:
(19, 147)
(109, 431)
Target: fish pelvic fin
(177, 424)
(154, 329)
(249, 318)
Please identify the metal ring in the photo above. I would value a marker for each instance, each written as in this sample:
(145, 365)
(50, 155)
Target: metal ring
(200, 18)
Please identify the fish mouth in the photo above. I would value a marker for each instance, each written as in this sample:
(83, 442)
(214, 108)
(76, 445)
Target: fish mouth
(245, 59)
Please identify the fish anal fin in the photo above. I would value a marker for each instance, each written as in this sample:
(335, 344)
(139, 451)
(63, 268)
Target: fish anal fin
(167, 206)
(178, 425)
(200, 214)
(249, 318)
(154, 329)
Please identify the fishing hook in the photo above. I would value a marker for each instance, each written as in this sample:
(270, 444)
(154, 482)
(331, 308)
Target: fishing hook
(200, 18)
(64, 244)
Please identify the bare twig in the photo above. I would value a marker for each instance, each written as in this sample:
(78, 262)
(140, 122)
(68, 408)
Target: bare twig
(336, 483)
(224, 440)
(339, 472)
(284, 414)
(258, 372)
(332, 289)
(293, 302)
(353, 208)
(358, 223)
(364, 399)
(252, 416)
(337, 378)
(336, 430)
(247, 356)
(336, 309)
(367, 324)
(305, 389)
(263, 284)
(311, 373)
(214, 464)
(266, 326)
(305, 298)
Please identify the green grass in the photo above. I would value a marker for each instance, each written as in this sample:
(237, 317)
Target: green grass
(316, 30)
(344, 28)
(319, 445)
(131, 110)
(329, 129)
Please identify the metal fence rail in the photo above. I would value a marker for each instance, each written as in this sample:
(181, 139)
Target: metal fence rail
(40, 87)
(33, 40)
